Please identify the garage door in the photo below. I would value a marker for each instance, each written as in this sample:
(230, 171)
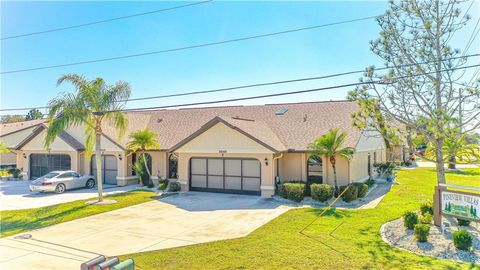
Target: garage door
(41, 164)
(227, 175)
(109, 169)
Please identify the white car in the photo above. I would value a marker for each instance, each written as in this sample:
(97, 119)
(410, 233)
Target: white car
(60, 181)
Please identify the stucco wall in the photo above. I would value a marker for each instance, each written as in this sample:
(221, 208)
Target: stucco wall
(267, 171)
(343, 174)
(222, 138)
(13, 139)
(159, 163)
(293, 167)
(8, 158)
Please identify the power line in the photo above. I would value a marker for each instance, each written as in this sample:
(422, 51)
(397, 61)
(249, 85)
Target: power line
(473, 36)
(104, 21)
(189, 47)
(260, 84)
(289, 93)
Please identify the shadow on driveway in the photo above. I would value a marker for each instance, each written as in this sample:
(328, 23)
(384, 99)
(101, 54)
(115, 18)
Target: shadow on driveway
(206, 201)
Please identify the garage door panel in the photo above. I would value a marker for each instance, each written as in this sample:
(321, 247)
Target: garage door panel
(215, 182)
(233, 183)
(215, 166)
(199, 166)
(199, 181)
(109, 169)
(233, 167)
(251, 184)
(41, 164)
(251, 168)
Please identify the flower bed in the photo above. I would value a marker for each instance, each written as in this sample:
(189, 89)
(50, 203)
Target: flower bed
(438, 245)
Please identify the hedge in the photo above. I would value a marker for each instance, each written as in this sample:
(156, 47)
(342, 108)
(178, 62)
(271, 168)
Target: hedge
(294, 191)
(321, 192)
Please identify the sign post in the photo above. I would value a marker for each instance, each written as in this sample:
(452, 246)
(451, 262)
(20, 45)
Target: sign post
(437, 207)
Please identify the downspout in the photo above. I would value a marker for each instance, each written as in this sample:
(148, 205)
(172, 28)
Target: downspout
(277, 176)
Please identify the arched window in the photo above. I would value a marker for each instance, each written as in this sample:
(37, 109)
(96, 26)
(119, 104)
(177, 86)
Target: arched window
(315, 169)
(173, 166)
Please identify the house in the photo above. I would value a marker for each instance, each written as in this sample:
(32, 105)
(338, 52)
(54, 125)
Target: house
(235, 149)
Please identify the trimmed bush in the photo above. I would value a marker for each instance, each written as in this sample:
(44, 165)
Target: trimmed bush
(362, 189)
(350, 195)
(370, 182)
(410, 218)
(462, 240)
(463, 222)
(421, 232)
(174, 187)
(294, 191)
(426, 218)
(162, 186)
(281, 190)
(308, 191)
(321, 192)
(426, 207)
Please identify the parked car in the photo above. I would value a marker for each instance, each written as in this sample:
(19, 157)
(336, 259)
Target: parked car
(60, 181)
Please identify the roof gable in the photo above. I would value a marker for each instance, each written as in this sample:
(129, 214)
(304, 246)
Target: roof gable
(37, 137)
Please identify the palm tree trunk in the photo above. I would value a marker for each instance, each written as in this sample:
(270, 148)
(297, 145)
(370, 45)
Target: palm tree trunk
(332, 161)
(98, 161)
(146, 167)
(451, 162)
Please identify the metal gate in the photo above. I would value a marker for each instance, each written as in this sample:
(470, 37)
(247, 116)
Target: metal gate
(228, 175)
(109, 169)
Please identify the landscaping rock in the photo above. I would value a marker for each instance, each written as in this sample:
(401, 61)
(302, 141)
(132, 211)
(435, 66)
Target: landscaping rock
(438, 245)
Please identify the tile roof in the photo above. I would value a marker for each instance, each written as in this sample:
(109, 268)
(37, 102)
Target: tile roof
(295, 130)
(14, 127)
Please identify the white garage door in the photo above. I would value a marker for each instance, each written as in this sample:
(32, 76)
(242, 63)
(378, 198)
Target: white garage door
(229, 175)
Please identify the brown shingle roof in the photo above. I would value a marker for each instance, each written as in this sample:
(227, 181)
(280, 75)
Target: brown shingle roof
(14, 127)
(295, 130)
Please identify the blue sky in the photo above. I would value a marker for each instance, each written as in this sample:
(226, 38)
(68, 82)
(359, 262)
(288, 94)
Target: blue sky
(303, 54)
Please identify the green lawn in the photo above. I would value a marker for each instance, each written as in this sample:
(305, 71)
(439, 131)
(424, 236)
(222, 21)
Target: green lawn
(17, 221)
(355, 244)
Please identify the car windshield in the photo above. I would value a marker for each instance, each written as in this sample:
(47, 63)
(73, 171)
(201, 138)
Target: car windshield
(49, 175)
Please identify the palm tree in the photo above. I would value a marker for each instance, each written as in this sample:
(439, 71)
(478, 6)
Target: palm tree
(143, 140)
(93, 103)
(330, 145)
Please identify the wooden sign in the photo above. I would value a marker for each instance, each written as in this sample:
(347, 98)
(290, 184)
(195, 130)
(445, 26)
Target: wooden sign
(458, 204)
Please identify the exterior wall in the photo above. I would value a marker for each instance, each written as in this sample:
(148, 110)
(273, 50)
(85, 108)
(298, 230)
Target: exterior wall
(13, 139)
(343, 172)
(8, 159)
(267, 171)
(159, 163)
(397, 153)
(222, 138)
(293, 166)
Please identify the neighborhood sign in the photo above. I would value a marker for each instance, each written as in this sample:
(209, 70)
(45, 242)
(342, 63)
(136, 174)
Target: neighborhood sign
(461, 205)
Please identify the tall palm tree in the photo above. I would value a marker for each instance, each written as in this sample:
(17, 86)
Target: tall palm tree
(330, 145)
(93, 103)
(143, 140)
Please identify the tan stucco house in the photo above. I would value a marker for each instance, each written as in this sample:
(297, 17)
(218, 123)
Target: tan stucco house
(237, 149)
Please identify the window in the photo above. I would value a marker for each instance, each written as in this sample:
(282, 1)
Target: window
(281, 111)
(315, 169)
(173, 166)
(66, 175)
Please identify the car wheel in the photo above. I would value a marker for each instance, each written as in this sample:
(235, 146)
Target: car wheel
(90, 183)
(60, 188)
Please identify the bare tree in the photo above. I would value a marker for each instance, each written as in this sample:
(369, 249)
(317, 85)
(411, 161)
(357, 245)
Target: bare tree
(422, 89)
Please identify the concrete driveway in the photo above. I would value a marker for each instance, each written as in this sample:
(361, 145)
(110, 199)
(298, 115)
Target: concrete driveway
(15, 195)
(177, 220)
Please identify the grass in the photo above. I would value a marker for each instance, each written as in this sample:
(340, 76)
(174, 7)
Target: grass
(355, 244)
(17, 221)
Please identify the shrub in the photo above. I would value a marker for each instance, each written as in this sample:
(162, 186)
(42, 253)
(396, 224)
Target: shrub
(426, 207)
(174, 187)
(421, 232)
(351, 194)
(294, 191)
(321, 192)
(362, 189)
(462, 239)
(308, 191)
(162, 184)
(426, 218)
(463, 222)
(385, 168)
(410, 218)
(15, 172)
(281, 189)
(370, 182)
